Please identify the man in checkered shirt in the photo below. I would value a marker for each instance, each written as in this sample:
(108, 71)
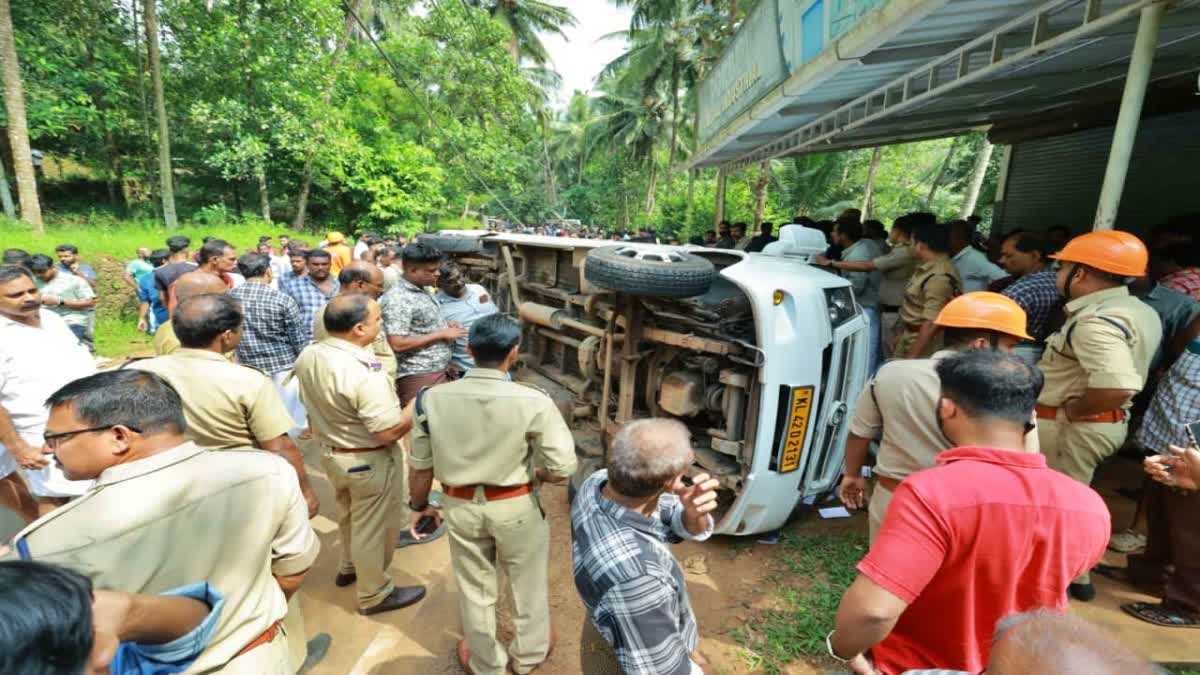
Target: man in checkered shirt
(1024, 255)
(641, 620)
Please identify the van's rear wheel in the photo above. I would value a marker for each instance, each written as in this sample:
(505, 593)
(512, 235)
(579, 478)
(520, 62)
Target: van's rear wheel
(649, 270)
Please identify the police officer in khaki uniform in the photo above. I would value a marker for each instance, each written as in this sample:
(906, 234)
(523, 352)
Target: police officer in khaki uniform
(366, 278)
(934, 283)
(489, 440)
(356, 417)
(232, 406)
(899, 406)
(187, 286)
(1098, 361)
(165, 513)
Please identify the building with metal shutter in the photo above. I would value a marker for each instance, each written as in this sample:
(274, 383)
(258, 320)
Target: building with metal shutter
(1056, 180)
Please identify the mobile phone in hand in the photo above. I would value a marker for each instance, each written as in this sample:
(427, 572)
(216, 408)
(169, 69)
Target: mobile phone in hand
(1193, 431)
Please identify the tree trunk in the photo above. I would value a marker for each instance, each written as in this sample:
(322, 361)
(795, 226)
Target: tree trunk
(977, 175)
(166, 176)
(264, 196)
(466, 207)
(144, 108)
(691, 197)
(116, 169)
(719, 211)
(5, 195)
(941, 174)
(876, 156)
(302, 198)
(551, 183)
(18, 130)
(652, 183)
(674, 127)
(760, 192)
(514, 50)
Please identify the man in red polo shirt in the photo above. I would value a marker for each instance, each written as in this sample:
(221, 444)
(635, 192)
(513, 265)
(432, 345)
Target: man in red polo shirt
(987, 532)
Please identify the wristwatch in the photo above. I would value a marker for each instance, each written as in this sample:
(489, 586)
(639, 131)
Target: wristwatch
(829, 648)
(415, 508)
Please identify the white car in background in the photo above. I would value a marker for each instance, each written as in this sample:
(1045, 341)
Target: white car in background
(761, 355)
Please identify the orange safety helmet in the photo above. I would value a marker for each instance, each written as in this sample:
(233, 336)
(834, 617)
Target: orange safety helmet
(984, 310)
(1112, 251)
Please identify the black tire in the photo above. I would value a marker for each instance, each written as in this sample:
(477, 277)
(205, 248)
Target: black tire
(448, 243)
(655, 271)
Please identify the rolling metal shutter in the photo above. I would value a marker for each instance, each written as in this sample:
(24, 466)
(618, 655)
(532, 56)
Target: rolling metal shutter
(1056, 180)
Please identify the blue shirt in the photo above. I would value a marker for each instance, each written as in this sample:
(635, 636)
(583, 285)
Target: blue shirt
(471, 307)
(147, 292)
(309, 298)
(135, 658)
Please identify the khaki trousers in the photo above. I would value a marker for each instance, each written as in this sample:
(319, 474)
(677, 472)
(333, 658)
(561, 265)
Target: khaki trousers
(293, 625)
(888, 322)
(1077, 448)
(511, 534)
(364, 485)
(906, 337)
(881, 498)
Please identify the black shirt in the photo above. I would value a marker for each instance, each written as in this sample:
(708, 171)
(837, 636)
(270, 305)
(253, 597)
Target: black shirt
(169, 273)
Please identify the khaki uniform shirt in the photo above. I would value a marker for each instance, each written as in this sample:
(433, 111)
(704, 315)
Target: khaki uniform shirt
(226, 405)
(899, 407)
(896, 267)
(183, 516)
(347, 393)
(933, 284)
(380, 347)
(1107, 342)
(488, 430)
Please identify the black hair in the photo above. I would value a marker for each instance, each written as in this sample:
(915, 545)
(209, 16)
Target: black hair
(39, 262)
(372, 239)
(849, 228)
(804, 221)
(178, 243)
(11, 272)
(199, 320)
(936, 237)
(872, 227)
(991, 384)
(69, 248)
(492, 338)
(319, 253)
(447, 267)
(15, 256)
(213, 248)
(46, 614)
(264, 238)
(766, 228)
(297, 252)
(696, 240)
(420, 253)
(1029, 242)
(253, 265)
(963, 229)
(957, 337)
(712, 232)
(740, 225)
(159, 256)
(131, 398)
(1185, 255)
(346, 311)
(353, 273)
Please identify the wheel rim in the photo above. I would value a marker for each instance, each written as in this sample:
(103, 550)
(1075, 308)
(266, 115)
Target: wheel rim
(650, 254)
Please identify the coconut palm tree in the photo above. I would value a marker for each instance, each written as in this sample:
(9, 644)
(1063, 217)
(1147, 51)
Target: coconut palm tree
(526, 19)
(635, 124)
(18, 130)
(150, 16)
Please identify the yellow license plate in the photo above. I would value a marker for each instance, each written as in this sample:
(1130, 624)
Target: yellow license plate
(793, 443)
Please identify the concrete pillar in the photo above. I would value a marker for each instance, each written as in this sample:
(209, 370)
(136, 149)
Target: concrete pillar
(1130, 115)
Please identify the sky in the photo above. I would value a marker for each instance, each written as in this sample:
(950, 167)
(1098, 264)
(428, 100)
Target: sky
(582, 55)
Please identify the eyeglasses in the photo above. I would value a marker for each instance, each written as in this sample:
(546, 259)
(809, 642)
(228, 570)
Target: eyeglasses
(54, 440)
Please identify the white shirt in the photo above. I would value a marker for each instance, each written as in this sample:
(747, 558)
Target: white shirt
(35, 363)
(976, 270)
(359, 249)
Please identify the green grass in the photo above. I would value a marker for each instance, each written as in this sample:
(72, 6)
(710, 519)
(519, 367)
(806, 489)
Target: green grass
(107, 244)
(812, 573)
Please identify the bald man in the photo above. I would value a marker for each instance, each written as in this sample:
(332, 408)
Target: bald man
(189, 285)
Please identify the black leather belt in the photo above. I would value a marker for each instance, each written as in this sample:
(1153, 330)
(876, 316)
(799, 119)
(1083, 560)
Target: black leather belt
(889, 308)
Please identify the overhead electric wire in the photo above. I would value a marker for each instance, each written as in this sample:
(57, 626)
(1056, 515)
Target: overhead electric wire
(425, 109)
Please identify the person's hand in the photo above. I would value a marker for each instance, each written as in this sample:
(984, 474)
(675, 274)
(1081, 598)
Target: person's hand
(28, 456)
(853, 492)
(311, 499)
(418, 515)
(454, 331)
(861, 665)
(143, 326)
(822, 260)
(110, 610)
(74, 267)
(1180, 468)
(698, 499)
(51, 301)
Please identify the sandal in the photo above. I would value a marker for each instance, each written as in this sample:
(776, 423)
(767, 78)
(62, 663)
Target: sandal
(1159, 616)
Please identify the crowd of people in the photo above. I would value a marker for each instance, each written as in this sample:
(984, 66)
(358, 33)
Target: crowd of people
(1003, 373)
